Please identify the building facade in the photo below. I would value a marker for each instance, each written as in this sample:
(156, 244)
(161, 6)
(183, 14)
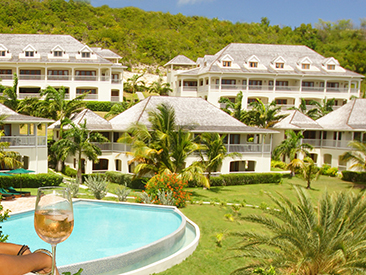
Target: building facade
(42, 60)
(28, 136)
(254, 144)
(283, 73)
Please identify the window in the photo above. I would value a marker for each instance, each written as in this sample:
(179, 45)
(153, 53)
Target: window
(2, 53)
(332, 85)
(235, 139)
(253, 64)
(206, 81)
(309, 134)
(234, 166)
(280, 65)
(330, 67)
(85, 55)
(281, 83)
(58, 74)
(226, 63)
(281, 101)
(30, 72)
(228, 81)
(29, 54)
(305, 66)
(201, 82)
(307, 84)
(5, 72)
(250, 100)
(115, 93)
(189, 83)
(255, 82)
(101, 165)
(57, 53)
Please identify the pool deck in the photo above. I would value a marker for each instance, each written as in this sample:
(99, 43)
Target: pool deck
(19, 204)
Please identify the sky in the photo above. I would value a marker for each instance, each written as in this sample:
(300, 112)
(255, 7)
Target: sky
(279, 12)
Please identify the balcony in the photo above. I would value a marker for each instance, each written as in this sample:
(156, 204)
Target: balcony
(31, 77)
(248, 148)
(287, 88)
(85, 78)
(312, 89)
(90, 96)
(6, 76)
(59, 77)
(337, 90)
(24, 141)
(104, 78)
(114, 147)
(190, 88)
(24, 95)
(327, 143)
(114, 98)
(116, 81)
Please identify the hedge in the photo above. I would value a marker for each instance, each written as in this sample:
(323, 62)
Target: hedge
(123, 179)
(243, 179)
(354, 176)
(68, 171)
(31, 180)
(99, 106)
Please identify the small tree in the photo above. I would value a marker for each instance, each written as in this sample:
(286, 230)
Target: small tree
(357, 156)
(308, 170)
(98, 185)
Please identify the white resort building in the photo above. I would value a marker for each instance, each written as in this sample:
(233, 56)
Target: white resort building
(26, 135)
(284, 73)
(59, 60)
(255, 144)
(330, 134)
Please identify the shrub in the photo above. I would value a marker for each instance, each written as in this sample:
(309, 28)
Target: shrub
(327, 170)
(99, 106)
(3, 216)
(73, 185)
(68, 171)
(119, 178)
(279, 164)
(354, 176)
(166, 199)
(31, 180)
(247, 178)
(122, 193)
(165, 182)
(98, 185)
(139, 183)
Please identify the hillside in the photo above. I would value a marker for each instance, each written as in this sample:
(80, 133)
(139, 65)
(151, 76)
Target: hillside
(153, 38)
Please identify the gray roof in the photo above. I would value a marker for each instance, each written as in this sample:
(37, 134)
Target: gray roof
(105, 53)
(44, 43)
(266, 53)
(296, 120)
(195, 113)
(93, 121)
(351, 117)
(180, 60)
(13, 117)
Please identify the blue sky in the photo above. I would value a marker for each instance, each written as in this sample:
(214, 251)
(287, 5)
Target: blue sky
(279, 12)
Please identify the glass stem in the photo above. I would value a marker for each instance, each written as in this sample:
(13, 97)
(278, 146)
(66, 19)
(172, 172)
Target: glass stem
(53, 272)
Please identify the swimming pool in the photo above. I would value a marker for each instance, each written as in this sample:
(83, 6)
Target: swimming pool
(109, 238)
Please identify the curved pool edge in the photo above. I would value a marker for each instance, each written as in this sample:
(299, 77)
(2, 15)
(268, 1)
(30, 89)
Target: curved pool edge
(172, 260)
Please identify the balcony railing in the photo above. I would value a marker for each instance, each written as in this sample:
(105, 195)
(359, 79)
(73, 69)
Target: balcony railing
(287, 88)
(312, 89)
(90, 96)
(233, 87)
(104, 78)
(114, 147)
(6, 76)
(329, 143)
(337, 90)
(24, 140)
(24, 95)
(190, 88)
(59, 77)
(116, 81)
(248, 148)
(31, 77)
(85, 78)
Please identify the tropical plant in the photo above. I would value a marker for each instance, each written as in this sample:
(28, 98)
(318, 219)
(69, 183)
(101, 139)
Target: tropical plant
(78, 141)
(213, 152)
(134, 84)
(321, 109)
(73, 185)
(9, 95)
(303, 108)
(263, 115)
(3, 216)
(291, 146)
(8, 159)
(307, 239)
(235, 109)
(122, 193)
(120, 107)
(98, 185)
(357, 155)
(164, 148)
(160, 88)
(307, 168)
(166, 199)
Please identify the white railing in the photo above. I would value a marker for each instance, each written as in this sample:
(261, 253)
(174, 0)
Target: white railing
(116, 81)
(114, 98)
(24, 140)
(6, 76)
(190, 88)
(285, 106)
(104, 78)
(90, 96)
(24, 95)
(354, 90)
(31, 77)
(59, 77)
(248, 148)
(337, 90)
(288, 88)
(312, 89)
(85, 78)
(257, 87)
(233, 87)
(327, 143)
(114, 146)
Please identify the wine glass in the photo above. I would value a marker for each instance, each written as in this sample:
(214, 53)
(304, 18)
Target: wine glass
(53, 216)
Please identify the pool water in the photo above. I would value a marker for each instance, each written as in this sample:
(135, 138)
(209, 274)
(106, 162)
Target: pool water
(101, 230)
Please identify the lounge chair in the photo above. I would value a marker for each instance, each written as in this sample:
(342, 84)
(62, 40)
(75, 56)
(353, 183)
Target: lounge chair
(23, 193)
(4, 192)
(6, 197)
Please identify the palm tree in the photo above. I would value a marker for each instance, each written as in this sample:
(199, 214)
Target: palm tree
(120, 107)
(61, 108)
(308, 239)
(291, 146)
(8, 159)
(264, 115)
(163, 148)
(134, 84)
(235, 109)
(321, 109)
(303, 108)
(357, 156)
(308, 169)
(214, 152)
(33, 106)
(78, 141)
(160, 88)
(9, 95)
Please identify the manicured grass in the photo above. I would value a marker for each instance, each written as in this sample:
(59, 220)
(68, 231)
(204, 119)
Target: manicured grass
(212, 259)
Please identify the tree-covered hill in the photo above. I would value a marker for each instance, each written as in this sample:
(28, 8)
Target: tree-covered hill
(156, 37)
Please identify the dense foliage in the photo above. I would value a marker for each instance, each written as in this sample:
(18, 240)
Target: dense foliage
(245, 178)
(156, 37)
(354, 176)
(31, 180)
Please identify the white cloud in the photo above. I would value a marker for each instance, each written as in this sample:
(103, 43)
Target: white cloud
(192, 2)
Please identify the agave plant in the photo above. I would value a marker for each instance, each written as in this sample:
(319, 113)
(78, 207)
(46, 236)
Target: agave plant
(307, 239)
(98, 185)
(122, 192)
